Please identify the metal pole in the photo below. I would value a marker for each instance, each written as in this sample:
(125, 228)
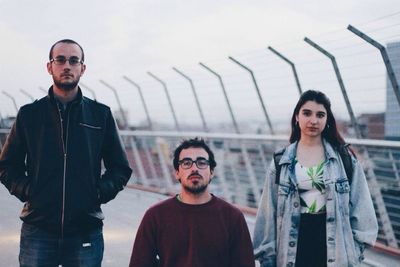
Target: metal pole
(235, 125)
(135, 151)
(89, 89)
(219, 152)
(164, 166)
(258, 93)
(153, 172)
(340, 80)
(12, 99)
(385, 56)
(373, 184)
(43, 90)
(220, 171)
(168, 98)
(27, 94)
(195, 97)
(243, 148)
(119, 103)
(142, 99)
(1, 126)
(291, 65)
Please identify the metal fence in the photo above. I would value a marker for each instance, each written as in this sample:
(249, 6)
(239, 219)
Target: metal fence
(217, 102)
(244, 159)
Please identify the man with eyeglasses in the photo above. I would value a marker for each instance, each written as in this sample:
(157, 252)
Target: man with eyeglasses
(193, 228)
(52, 161)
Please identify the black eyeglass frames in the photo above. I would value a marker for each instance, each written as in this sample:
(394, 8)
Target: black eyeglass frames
(201, 163)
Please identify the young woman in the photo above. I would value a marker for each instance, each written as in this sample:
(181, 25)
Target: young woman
(313, 214)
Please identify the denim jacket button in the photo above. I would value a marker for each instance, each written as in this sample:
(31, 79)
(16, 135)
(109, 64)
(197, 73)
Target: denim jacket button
(296, 204)
(331, 239)
(292, 243)
(331, 219)
(290, 264)
(331, 260)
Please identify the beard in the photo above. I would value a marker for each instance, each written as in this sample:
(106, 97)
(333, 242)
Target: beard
(66, 86)
(195, 189)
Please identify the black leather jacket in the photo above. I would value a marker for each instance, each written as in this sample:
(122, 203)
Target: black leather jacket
(52, 161)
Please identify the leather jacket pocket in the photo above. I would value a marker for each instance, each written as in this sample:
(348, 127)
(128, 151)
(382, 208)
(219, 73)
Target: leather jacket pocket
(90, 126)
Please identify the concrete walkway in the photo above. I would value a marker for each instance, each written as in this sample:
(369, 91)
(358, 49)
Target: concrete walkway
(123, 216)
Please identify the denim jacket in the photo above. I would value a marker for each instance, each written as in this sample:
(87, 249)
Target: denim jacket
(350, 225)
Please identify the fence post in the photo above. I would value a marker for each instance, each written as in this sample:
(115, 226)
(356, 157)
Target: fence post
(89, 89)
(341, 84)
(43, 90)
(27, 94)
(153, 172)
(125, 122)
(235, 125)
(291, 65)
(258, 93)
(375, 192)
(168, 98)
(385, 56)
(12, 99)
(142, 99)
(252, 176)
(195, 97)
(135, 150)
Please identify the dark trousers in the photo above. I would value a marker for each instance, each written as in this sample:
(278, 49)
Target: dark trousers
(45, 249)
(311, 244)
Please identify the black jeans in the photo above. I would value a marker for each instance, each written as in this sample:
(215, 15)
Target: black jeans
(311, 245)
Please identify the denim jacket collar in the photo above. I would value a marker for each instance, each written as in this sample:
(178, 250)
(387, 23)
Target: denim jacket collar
(290, 152)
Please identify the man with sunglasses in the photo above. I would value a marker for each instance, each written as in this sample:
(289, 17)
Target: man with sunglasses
(193, 228)
(52, 161)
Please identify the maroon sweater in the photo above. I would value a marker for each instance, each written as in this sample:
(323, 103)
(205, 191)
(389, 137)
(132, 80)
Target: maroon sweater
(183, 235)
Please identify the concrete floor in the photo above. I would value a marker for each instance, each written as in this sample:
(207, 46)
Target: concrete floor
(123, 216)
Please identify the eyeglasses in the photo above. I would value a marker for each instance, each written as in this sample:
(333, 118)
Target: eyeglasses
(73, 61)
(187, 163)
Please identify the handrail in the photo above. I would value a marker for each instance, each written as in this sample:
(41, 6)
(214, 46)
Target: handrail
(253, 137)
(250, 137)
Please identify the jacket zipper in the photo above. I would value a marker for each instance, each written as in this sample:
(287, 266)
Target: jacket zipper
(65, 150)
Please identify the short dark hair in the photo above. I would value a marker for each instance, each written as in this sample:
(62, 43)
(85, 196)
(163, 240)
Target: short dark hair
(68, 41)
(330, 133)
(197, 143)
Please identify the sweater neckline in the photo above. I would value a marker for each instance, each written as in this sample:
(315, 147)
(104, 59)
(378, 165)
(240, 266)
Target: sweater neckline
(212, 200)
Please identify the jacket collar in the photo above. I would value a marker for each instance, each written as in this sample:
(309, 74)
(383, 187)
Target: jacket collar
(290, 152)
(78, 98)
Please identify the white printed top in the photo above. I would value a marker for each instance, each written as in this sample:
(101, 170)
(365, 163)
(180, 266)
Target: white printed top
(311, 187)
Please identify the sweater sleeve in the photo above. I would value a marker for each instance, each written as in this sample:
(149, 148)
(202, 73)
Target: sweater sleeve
(144, 252)
(264, 237)
(241, 247)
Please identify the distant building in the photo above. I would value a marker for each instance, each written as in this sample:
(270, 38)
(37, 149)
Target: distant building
(392, 116)
(7, 122)
(372, 125)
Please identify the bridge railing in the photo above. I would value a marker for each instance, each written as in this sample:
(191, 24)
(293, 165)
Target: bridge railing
(242, 163)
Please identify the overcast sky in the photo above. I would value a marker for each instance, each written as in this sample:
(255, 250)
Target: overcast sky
(134, 36)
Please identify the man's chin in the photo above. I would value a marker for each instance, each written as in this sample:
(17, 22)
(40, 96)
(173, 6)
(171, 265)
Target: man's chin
(67, 86)
(196, 189)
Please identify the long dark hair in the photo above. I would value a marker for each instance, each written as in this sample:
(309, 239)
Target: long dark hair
(330, 133)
